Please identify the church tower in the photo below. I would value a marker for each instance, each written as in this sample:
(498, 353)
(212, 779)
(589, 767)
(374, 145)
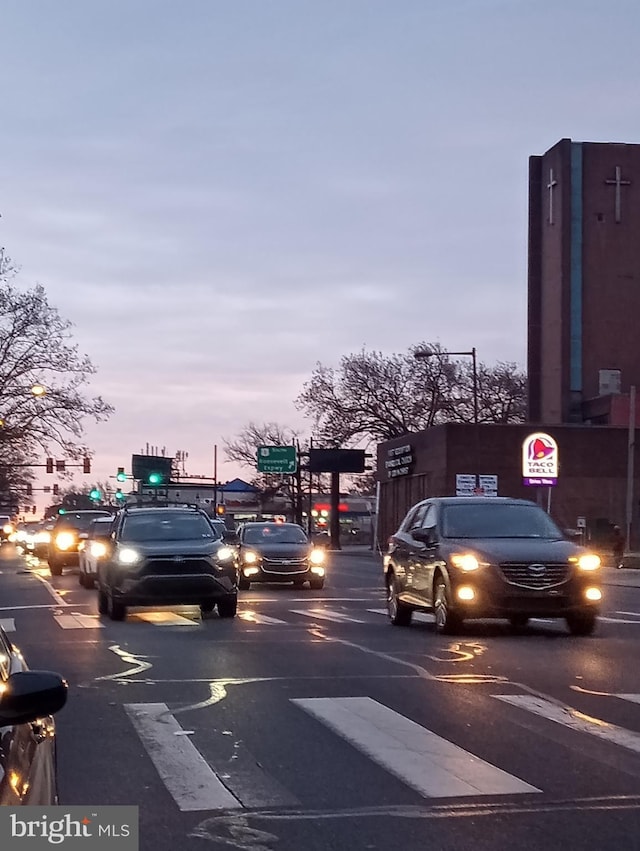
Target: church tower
(584, 280)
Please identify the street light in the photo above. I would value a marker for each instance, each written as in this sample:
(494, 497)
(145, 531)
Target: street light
(38, 390)
(428, 353)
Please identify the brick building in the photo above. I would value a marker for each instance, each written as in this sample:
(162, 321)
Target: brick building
(583, 281)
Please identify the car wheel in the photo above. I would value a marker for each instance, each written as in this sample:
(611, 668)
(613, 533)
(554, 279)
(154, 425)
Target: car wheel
(243, 584)
(89, 581)
(316, 584)
(116, 610)
(207, 608)
(399, 613)
(82, 579)
(518, 621)
(581, 623)
(227, 608)
(55, 568)
(447, 622)
(103, 601)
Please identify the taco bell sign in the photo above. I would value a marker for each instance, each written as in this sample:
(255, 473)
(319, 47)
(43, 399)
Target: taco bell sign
(540, 460)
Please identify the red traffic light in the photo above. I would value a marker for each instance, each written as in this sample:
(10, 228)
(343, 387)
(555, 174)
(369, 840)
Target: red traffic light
(86, 465)
(49, 465)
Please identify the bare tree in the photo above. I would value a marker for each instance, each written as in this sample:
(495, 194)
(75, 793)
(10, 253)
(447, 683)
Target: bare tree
(43, 376)
(372, 397)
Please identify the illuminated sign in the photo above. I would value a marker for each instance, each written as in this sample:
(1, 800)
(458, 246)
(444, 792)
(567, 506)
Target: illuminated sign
(540, 460)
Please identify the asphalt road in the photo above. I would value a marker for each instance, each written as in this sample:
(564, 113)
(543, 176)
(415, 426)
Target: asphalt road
(310, 723)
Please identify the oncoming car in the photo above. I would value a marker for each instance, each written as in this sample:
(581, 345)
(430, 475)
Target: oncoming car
(68, 530)
(165, 556)
(278, 552)
(488, 557)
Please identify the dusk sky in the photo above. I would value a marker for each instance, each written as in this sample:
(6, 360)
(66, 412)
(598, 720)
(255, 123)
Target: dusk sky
(220, 194)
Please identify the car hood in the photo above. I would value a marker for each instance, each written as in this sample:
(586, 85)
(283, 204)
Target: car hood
(280, 550)
(496, 550)
(170, 548)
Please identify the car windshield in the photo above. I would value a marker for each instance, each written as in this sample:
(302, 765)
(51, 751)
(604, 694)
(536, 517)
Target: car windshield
(497, 520)
(279, 534)
(167, 527)
(79, 522)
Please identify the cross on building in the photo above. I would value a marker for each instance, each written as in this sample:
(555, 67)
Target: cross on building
(618, 182)
(550, 186)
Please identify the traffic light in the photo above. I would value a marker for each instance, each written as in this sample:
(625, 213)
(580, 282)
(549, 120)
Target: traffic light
(59, 466)
(86, 465)
(29, 488)
(56, 489)
(95, 494)
(121, 475)
(220, 509)
(119, 495)
(155, 478)
(49, 465)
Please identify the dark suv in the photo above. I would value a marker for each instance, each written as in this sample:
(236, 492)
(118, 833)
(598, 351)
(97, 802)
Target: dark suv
(68, 530)
(166, 556)
(488, 557)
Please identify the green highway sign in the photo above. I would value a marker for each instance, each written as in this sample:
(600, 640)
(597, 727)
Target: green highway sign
(277, 459)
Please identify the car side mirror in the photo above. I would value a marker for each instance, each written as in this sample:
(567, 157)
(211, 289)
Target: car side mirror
(30, 695)
(425, 536)
(230, 537)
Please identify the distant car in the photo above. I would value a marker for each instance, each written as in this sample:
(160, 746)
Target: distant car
(488, 557)
(67, 532)
(165, 556)
(278, 552)
(37, 540)
(7, 527)
(91, 549)
(28, 699)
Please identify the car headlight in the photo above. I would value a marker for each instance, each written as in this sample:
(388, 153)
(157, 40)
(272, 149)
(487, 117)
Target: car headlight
(65, 540)
(249, 557)
(316, 556)
(98, 549)
(465, 561)
(589, 561)
(7, 528)
(224, 554)
(128, 556)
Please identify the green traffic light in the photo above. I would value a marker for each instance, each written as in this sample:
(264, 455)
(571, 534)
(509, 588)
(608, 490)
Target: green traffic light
(121, 476)
(95, 494)
(119, 494)
(154, 478)
(62, 511)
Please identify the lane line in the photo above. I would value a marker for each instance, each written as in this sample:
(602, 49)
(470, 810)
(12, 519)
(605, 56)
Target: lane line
(327, 615)
(421, 617)
(617, 620)
(59, 600)
(78, 621)
(632, 698)
(574, 719)
(8, 624)
(256, 617)
(192, 784)
(433, 766)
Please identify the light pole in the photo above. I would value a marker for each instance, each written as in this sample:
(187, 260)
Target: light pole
(429, 353)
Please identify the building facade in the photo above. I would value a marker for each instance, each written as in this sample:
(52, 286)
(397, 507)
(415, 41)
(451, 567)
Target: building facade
(583, 280)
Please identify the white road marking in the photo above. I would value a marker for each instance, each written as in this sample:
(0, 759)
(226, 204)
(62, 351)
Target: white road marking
(164, 619)
(421, 617)
(187, 776)
(327, 615)
(433, 766)
(631, 614)
(617, 620)
(574, 719)
(8, 624)
(59, 600)
(633, 698)
(256, 617)
(78, 621)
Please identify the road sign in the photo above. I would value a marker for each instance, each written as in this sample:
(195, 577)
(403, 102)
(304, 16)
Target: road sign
(582, 523)
(277, 459)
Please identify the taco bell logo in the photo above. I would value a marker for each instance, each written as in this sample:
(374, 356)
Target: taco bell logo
(540, 460)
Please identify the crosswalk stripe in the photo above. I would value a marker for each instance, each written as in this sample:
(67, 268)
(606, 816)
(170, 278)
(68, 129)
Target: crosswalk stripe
(184, 771)
(421, 617)
(423, 760)
(256, 617)
(78, 621)
(576, 720)
(164, 619)
(327, 615)
(8, 624)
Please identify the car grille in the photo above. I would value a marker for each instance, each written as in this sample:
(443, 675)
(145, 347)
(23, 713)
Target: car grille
(173, 565)
(283, 565)
(530, 574)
